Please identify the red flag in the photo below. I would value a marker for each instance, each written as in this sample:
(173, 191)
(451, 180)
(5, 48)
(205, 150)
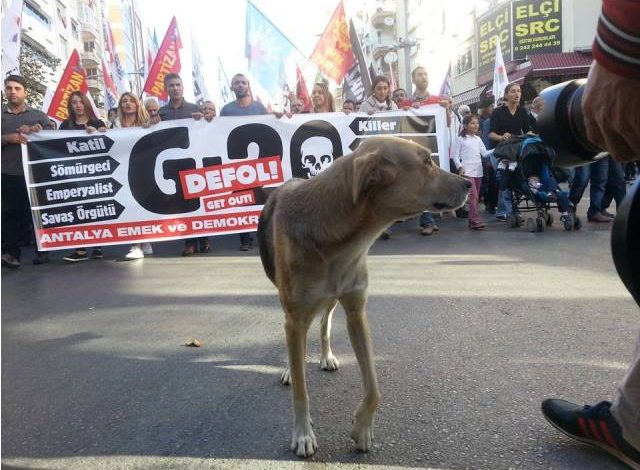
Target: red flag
(392, 78)
(333, 52)
(109, 46)
(167, 61)
(110, 91)
(73, 79)
(301, 90)
(445, 88)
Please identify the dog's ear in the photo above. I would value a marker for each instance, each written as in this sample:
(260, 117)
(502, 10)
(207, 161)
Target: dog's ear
(370, 170)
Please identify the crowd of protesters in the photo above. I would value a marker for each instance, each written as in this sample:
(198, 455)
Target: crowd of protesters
(470, 151)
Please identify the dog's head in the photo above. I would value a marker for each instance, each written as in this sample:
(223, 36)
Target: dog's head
(400, 178)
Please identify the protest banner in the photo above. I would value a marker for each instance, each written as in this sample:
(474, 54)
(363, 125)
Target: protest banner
(187, 178)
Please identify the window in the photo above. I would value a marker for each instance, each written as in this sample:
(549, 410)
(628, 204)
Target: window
(88, 14)
(89, 46)
(75, 30)
(62, 14)
(464, 61)
(93, 73)
(36, 14)
(64, 47)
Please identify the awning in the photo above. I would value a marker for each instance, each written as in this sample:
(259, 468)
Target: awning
(517, 76)
(468, 97)
(560, 63)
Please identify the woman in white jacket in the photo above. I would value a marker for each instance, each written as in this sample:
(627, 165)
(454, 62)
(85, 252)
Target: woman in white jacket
(380, 99)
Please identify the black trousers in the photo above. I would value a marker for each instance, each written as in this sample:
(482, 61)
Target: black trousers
(16, 215)
(625, 241)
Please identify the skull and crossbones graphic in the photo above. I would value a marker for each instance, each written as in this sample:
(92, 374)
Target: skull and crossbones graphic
(317, 155)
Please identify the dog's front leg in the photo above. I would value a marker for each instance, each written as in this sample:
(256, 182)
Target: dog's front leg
(358, 327)
(327, 360)
(303, 440)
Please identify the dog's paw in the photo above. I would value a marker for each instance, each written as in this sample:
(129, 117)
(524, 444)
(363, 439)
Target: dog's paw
(362, 435)
(304, 443)
(330, 362)
(285, 377)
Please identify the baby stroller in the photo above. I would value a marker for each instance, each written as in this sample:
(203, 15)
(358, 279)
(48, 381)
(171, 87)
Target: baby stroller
(528, 175)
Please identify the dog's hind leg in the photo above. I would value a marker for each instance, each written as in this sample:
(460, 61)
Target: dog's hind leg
(327, 360)
(303, 440)
(358, 327)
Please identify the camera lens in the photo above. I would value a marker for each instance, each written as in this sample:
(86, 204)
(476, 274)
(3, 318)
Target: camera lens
(561, 125)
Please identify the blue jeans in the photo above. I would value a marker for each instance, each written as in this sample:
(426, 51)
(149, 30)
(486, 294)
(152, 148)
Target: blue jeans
(505, 203)
(427, 219)
(561, 198)
(615, 189)
(578, 183)
(598, 181)
(597, 173)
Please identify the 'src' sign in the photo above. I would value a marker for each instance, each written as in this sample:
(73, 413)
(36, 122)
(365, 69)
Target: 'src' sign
(375, 125)
(69, 147)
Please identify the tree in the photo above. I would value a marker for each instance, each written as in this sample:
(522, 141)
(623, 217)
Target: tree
(37, 68)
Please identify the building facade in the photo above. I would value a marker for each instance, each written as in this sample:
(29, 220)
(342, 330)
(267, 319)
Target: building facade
(377, 26)
(543, 42)
(52, 30)
(127, 29)
(399, 35)
(91, 19)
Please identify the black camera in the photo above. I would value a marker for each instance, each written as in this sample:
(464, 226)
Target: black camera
(561, 125)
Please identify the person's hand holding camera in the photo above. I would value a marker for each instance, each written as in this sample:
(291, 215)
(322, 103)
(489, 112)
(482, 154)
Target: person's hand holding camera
(611, 105)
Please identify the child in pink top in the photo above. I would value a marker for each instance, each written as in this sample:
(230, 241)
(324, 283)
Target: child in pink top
(468, 151)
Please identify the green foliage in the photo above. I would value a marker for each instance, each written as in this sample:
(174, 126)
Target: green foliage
(37, 68)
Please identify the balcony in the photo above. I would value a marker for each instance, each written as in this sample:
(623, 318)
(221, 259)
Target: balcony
(89, 31)
(378, 51)
(90, 59)
(383, 19)
(95, 85)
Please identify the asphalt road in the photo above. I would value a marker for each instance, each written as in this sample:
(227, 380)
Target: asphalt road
(470, 330)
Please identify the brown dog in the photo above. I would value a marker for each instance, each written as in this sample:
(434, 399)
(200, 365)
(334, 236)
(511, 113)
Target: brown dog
(314, 236)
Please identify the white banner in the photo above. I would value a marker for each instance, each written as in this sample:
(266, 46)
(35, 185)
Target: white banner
(186, 178)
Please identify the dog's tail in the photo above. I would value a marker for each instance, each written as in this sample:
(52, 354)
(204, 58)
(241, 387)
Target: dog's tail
(265, 236)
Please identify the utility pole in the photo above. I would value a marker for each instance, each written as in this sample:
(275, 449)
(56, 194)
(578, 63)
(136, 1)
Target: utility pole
(405, 43)
(407, 48)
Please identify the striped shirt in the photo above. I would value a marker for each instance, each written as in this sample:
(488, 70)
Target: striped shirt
(617, 43)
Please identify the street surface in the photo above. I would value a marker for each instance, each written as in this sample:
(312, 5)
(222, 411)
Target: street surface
(471, 331)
